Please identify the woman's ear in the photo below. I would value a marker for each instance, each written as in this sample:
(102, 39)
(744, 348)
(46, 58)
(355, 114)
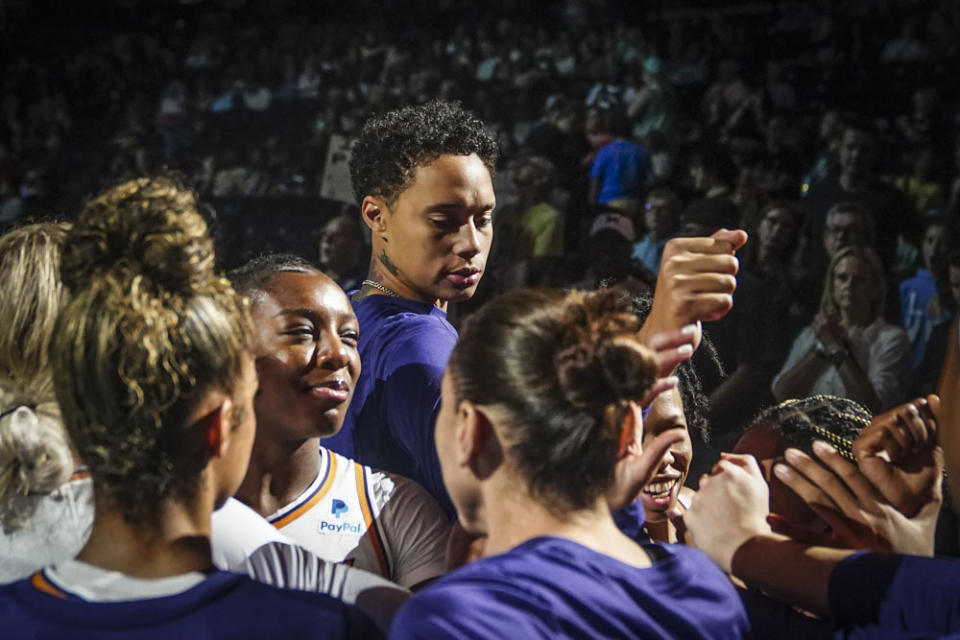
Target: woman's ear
(631, 433)
(214, 426)
(477, 443)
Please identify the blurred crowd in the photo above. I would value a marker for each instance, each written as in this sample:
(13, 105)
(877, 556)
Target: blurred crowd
(818, 126)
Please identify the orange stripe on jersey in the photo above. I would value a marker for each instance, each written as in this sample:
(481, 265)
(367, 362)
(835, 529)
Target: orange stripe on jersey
(40, 582)
(79, 474)
(312, 500)
(372, 532)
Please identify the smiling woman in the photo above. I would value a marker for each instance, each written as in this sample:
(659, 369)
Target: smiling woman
(305, 348)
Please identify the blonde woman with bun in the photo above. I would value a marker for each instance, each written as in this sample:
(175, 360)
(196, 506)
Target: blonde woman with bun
(155, 383)
(46, 503)
(541, 398)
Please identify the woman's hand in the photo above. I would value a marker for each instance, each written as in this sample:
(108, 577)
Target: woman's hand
(858, 515)
(730, 508)
(829, 332)
(900, 453)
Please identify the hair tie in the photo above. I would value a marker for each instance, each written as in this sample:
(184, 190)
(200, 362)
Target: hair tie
(12, 409)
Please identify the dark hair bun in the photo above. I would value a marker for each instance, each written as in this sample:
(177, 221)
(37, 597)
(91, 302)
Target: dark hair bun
(600, 360)
(144, 227)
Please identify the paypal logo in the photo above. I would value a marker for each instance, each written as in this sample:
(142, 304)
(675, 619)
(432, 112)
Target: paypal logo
(339, 506)
(341, 527)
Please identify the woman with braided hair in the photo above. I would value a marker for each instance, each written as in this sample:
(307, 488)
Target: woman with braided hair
(541, 398)
(155, 383)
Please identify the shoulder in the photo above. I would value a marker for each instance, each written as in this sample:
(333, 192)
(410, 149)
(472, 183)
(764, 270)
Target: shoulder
(404, 329)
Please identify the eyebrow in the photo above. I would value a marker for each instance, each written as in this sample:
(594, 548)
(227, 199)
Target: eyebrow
(313, 314)
(456, 207)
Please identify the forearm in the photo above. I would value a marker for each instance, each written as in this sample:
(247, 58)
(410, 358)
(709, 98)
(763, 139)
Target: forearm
(799, 380)
(857, 384)
(796, 573)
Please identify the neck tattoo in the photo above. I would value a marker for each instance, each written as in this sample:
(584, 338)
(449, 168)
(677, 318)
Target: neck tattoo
(381, 288)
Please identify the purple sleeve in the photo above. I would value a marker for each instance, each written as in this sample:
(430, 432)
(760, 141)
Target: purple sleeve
(905, 593)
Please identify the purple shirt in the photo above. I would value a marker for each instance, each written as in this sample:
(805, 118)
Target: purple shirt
(884, 595)
(404, 347)
(224, 605)
(556, 588)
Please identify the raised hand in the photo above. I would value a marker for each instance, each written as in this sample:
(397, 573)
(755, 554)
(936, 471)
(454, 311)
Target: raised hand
(696, 282)
(900, 454)
(858, 515)
(730, 508)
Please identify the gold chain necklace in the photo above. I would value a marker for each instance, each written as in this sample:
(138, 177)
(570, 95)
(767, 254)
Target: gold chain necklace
(381, 288)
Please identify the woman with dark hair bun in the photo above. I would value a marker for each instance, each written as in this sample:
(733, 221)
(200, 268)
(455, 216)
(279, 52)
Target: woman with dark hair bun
(541, 398)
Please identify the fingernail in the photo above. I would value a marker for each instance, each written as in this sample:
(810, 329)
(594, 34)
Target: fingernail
(793, 455)
(822, 448)
(685, 349)
(672, 380)
(689, 330)
(782, 471)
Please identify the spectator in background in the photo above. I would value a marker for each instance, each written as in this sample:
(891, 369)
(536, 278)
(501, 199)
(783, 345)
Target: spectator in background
(928, 375)
(922, 188)
(922, 296)
(661, 217)
(540, 227)
(609, 246)
(342, 251)
(849, 350)
(621, 167)
(713, 174)
(858, 182)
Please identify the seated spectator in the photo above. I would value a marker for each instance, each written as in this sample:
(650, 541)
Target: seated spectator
(162, 415)
(849, 350)
(923, 298)
(307, 364)
(621, 167)
(922, 188)
(928, 375)
(342, 250)
(858, 182)
(609, 245)
(539, 230)
(713, 174)
(535, 367)
(661, 216)
(46, 498)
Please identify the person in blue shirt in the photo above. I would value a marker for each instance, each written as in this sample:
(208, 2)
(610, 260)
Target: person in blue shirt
(154, 379)
(922, 307)
(541, 399)
(661, 216)
(422, 176)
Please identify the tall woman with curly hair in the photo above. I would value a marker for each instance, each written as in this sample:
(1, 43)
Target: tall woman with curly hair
(155, 383)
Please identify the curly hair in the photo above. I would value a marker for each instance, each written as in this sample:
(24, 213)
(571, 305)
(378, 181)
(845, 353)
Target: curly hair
(564, 367)
(394, 144)
(150, 328)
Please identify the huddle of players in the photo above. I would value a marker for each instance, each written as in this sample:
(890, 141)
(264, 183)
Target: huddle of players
(527, 427)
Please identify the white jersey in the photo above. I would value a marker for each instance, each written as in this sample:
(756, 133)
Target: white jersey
(380, 522)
